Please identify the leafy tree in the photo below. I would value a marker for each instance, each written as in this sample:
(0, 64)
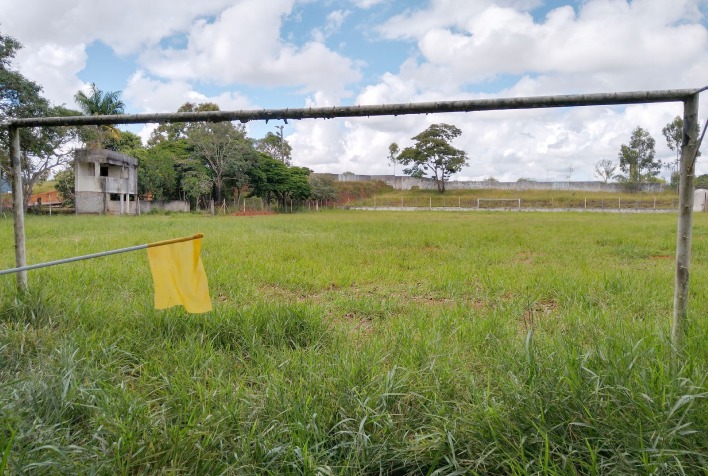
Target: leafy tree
(178, 130)
(323, 188)
(434, 154)
(223, 148)
(637, 159)
(298, 185)
(393, 151)
(701, 181)
(276, 146)
(157, 174)
(673, 133)
(64, 183)
(42, 150)
(98, 103)
(123, 141)
(271, 180)
(197, 185)
(237, 178)
(605, 170)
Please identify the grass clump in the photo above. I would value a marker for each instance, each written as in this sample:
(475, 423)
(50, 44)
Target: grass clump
(358, 343)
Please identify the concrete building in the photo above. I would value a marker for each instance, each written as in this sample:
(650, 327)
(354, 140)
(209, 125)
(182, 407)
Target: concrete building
(106, 182)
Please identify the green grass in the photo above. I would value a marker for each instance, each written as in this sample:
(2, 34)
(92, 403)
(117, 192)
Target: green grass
(358, 343)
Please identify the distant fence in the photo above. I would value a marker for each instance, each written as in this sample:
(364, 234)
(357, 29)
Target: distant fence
(407, 183)
(256, 205)
(491, 203)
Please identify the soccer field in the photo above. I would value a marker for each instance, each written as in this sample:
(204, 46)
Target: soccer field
(347, 342)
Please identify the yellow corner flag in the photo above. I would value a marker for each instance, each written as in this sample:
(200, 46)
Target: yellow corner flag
(178, 274)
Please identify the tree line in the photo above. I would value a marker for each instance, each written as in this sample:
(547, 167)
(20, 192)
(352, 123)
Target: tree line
(638, 163)
(197, 162)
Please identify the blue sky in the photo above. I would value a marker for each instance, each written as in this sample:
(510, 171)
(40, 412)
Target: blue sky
(245, 54)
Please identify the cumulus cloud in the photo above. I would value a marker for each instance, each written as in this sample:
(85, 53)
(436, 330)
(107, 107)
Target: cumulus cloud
(54, 67)
(603, 46)
(243, 45)
(606, 44)
(125, 26)
(152, 95)
(55, 33)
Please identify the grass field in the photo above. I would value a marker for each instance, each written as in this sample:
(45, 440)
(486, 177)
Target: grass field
(358, 343)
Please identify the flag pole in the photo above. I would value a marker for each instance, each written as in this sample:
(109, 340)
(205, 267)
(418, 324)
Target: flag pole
(98, 255)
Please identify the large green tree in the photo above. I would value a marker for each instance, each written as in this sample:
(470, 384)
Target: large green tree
(178, 130)
(224, 149)
(276, 146)
(637, 159)
(160, 169)
(42, 150)
(433, 154)
(271, 180)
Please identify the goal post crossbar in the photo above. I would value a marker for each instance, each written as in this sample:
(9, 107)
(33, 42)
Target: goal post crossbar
(472, 105)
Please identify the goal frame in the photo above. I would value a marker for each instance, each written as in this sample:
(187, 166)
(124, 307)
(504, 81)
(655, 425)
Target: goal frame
(689, 151)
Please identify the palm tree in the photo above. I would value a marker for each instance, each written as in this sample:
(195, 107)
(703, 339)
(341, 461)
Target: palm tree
(96, 103)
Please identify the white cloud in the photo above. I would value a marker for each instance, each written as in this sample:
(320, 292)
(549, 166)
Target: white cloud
(604, 46)
(125, 26)
(54, 67)
(413, 23)
(55, 33)
(335, 20)
(366, 3)
(152, 95)
(608, 44)
(252, 53)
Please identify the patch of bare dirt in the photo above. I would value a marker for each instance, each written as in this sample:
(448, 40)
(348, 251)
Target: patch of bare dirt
(539, 310)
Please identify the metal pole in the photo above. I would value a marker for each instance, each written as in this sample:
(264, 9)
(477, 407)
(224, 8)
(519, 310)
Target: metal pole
(601, 99)
(24, 269)
(683, 235)
(18, 208)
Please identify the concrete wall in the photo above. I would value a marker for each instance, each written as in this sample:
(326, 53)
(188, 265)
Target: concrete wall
(98, 202)
(165, 205)
(113, 207)
(406, 183)
(700, 200)
(90, 202)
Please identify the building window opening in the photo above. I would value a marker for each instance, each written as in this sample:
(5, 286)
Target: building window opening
(104, 171)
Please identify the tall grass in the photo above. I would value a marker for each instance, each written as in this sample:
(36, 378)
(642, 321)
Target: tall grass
(358, 343)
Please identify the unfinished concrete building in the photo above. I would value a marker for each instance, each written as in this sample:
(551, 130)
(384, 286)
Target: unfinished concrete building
(106, 182)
